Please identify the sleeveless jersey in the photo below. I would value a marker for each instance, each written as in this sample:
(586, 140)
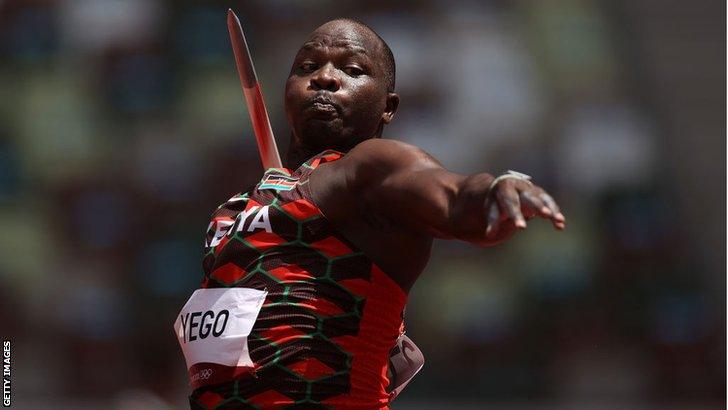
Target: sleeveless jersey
(331, 316)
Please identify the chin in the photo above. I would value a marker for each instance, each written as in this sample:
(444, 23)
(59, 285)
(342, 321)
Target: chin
(322, 134)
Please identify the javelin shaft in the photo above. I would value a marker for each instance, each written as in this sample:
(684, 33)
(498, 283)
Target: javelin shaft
(253, 95)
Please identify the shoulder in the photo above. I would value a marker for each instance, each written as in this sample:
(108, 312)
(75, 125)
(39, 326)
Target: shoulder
(372, 162)
(389, 152)
(377, 158)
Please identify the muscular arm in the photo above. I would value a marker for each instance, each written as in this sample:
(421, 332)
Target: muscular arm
(409, 187)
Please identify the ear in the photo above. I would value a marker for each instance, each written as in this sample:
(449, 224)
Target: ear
(391, 108)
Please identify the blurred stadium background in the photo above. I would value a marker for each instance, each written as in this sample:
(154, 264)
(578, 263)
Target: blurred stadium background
(122, 127)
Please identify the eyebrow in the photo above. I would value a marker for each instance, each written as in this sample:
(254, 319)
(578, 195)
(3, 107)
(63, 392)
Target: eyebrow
(311, 45)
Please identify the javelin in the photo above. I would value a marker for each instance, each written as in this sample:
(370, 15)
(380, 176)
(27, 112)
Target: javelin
(253, 96)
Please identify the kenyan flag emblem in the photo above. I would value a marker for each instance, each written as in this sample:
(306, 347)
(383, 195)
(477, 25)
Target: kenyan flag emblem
(278, 182)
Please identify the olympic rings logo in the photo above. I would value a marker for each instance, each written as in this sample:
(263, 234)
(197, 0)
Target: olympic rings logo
(203, 374)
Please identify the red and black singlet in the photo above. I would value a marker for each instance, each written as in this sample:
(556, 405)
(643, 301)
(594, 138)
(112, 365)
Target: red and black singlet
(323, 335)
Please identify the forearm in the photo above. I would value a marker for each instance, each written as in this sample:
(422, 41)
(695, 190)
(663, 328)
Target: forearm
(438, 203)
(410, 188)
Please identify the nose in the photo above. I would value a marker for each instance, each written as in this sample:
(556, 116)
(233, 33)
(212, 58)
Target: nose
(324, 79)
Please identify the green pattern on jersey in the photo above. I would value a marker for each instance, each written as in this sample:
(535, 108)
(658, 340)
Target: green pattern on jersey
(308, 271)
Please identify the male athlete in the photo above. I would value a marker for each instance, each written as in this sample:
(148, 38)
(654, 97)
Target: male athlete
(306, 276)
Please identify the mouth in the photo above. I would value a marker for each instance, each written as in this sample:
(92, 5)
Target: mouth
(322, 107)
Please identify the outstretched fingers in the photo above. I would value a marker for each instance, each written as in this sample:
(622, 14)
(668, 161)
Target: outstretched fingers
(518, 200)
(509, 202)
(557, 218)
(493, 220)
(534, 205)
(535, 200)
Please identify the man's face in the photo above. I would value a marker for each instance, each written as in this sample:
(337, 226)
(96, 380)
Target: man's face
(336, 93)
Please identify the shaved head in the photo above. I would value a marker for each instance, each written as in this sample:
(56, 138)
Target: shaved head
(386, 52)
(340, 90)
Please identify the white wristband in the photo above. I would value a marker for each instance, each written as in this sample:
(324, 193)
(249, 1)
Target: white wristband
(510, 174)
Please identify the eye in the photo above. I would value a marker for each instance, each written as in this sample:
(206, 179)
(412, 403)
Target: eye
(353, 70)
(307, 66)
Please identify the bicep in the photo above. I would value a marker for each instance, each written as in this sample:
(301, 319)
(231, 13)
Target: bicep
(420, 200)
(407, 186)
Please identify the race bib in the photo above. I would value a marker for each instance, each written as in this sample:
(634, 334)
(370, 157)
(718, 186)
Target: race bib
(213, 328)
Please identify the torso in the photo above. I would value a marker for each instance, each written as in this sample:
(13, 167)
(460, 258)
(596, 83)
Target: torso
(335, 303)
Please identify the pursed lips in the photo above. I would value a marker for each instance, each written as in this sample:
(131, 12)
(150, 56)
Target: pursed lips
(324, 105)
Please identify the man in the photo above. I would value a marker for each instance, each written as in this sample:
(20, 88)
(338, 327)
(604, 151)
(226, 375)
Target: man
(323, 253)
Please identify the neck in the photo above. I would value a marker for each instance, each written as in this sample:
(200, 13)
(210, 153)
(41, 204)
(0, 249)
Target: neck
(298, 154)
